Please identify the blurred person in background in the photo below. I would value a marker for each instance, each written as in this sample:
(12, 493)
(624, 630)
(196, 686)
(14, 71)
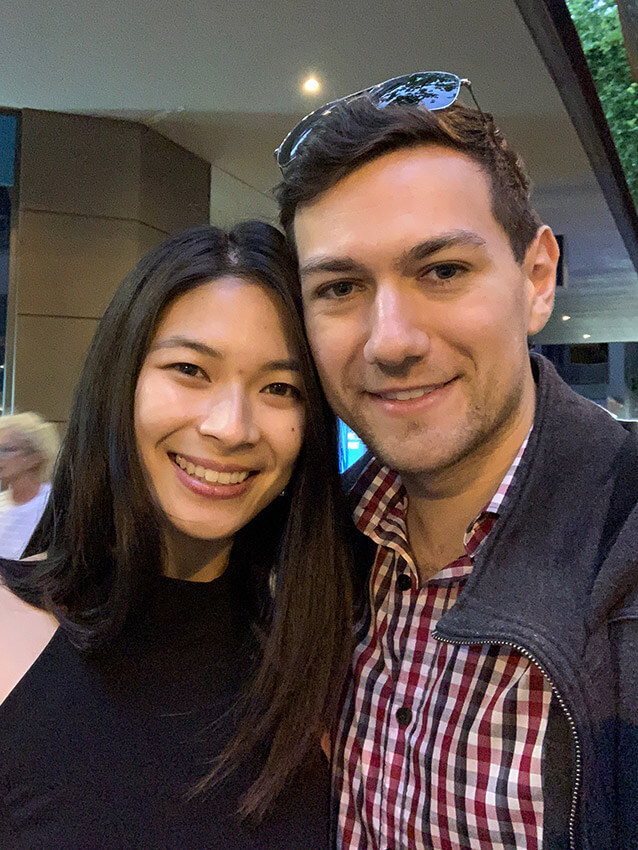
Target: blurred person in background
(28, 448)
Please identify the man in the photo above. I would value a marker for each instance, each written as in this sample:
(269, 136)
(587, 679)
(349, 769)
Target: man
(28, 448)
(493, 697)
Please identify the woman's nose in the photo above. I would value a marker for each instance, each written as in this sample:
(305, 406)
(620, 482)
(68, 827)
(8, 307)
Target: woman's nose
(229, 418)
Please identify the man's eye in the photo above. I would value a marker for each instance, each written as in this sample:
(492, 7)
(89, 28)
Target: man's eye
(189, 369)
(280, 388)
(338, 289)
(444, 271)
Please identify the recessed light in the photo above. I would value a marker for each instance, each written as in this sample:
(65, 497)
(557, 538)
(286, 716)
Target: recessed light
(586, 336)
(311, 85)
(566, 318)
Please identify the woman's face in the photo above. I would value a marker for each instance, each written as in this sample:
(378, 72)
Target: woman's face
(219, 414)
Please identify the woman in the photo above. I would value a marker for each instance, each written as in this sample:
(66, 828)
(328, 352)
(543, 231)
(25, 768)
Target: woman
(194, 555)
(28, 448)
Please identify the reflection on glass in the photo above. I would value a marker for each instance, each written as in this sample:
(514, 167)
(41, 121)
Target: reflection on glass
(351, 447)
(430, 88)
(604, 372)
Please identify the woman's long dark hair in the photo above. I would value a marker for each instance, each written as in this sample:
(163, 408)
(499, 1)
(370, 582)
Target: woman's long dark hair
(101, 527)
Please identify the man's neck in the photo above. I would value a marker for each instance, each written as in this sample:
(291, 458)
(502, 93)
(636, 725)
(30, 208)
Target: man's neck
(25, 488)
(442, 506)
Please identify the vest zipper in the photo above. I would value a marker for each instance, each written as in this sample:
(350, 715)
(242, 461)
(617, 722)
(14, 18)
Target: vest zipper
(572, 726)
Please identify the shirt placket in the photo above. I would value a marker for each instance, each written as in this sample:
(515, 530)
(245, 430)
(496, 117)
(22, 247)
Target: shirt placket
(401, 610)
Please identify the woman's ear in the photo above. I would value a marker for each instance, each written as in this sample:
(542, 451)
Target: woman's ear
(540, 264)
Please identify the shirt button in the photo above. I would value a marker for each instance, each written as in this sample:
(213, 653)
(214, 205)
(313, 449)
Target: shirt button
(404, 582)
(403, 715)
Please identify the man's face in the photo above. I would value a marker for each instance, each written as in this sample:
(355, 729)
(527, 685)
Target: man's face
(416, 310)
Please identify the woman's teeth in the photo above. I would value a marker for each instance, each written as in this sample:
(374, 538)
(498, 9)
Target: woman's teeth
(210, 475)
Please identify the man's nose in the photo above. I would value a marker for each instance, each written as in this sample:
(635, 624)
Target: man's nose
(396, 337)
(229, 417)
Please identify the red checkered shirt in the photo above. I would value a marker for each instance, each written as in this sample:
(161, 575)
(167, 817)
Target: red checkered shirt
(438, 746)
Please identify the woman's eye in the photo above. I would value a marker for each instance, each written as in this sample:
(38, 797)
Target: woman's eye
(282, 389)
(189, 369)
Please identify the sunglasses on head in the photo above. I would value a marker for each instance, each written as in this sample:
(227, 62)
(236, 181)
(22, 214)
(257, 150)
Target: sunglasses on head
(432, 89)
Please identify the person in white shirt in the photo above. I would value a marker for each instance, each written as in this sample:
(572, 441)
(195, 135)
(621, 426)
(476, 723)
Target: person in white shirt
(28, 448)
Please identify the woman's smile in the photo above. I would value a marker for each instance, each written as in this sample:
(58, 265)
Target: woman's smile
(211, 480)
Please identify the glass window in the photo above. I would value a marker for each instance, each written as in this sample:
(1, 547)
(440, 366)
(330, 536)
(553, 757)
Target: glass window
(351, 446)
(8, 136)
(604, 372)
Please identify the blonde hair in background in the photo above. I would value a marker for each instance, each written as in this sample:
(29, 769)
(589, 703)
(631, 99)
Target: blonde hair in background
(41, 435)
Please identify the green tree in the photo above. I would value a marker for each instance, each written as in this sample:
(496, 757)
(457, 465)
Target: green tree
(598, 27)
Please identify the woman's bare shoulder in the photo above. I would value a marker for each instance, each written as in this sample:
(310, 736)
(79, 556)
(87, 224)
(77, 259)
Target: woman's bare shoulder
(25, 631)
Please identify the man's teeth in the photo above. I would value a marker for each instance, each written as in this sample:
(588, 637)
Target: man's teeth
(210, 475)
(408, 394)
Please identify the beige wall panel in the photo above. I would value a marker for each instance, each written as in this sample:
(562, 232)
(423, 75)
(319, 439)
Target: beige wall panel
(49, 357)
(80, 164)
(148, 238)
(174, 185)
(231, 201)
(71, 266)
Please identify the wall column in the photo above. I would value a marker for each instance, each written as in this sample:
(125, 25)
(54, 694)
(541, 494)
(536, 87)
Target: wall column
(95, 194)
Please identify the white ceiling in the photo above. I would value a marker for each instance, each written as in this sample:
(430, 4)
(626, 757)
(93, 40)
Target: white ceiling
(223, 79)
(247, 56)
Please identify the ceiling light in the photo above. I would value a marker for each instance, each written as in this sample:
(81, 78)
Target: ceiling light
(586, 336)
(311, 85)
(566, 318)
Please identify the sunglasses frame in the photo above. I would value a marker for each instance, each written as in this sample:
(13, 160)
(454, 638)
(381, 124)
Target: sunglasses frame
(377, 89)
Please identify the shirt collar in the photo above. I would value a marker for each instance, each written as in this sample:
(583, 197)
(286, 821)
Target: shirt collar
(379, 495)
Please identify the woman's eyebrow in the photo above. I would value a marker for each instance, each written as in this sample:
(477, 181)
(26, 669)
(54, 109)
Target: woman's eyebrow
(290, 364)
(186, 342)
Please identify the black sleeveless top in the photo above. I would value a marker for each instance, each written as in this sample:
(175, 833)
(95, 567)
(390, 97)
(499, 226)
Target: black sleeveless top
(101, 752)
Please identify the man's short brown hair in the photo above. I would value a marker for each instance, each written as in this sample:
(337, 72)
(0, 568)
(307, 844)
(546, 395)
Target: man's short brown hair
(358, 132)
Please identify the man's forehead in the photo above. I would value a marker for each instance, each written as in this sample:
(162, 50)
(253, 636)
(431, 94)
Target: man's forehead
(428, 187)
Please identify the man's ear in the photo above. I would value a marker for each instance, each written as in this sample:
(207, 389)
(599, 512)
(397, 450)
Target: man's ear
(540, 263)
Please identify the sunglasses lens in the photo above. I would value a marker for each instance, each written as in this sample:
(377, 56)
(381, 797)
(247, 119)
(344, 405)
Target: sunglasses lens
(288, 148)
(434, 90)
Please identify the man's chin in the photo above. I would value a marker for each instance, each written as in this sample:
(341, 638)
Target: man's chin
(412, 461)
(426, 454)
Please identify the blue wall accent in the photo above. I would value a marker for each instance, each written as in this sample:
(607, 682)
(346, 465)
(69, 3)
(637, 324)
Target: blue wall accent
(8, 127)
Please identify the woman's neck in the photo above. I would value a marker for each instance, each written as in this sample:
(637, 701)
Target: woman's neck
(25, 488)
(190, 559)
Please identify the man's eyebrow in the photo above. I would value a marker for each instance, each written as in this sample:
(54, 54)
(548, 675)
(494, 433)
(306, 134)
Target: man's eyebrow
(337, 265)
(452, 239)
(346, 265)
(290, 364)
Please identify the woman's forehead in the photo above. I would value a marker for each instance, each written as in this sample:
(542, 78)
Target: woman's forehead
(229, 315)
